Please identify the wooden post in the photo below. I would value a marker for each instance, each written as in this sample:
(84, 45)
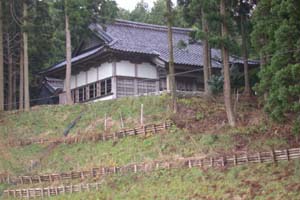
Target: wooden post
(259, 157)
(165, 125)
(49, 194)
(223, 161)
(71, 189)
(145, 130)
(154, 128)
(157, 166)
(273, 155)
(190, 164)
(105, 122)
(235, 160)
(142, 114)
(135, 168)
(287, 154)
(122, 122)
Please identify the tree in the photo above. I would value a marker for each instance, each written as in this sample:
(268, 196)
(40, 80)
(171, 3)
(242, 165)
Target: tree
(242, 13)
(21, 79)
(26, 64)
(68, 57)
(78, 15)
(275, 36)
(1, 61)
(171, 74)
(140, 12)
(206, 50)
(226, 68)
(197, 14)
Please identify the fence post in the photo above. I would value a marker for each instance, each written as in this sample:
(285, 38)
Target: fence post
(212, 162)
(273, 155)
(105, 122)
(122, 122)
(142, 114)
(259, 157)
(287, 154)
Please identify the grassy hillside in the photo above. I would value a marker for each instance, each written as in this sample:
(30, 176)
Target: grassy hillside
(200, 130)
(255, 182)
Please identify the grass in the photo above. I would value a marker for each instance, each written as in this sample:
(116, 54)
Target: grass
(276, 182)
(52, 120)
(208, 137)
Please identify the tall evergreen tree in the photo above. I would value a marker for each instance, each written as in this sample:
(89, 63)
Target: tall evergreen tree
(1, 61)
(26, 64)
(226, 67)
(171, 75)
(68, 56)
(276, 36)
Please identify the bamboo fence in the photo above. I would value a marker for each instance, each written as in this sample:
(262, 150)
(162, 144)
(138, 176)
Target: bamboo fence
(100, 172)
(52, 191)
(144, 130)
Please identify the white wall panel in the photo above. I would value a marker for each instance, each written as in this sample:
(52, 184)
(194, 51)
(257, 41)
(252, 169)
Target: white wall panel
(73, 82)
(105, 70)
(92, 75)
(146, 70)
(125, 68)
(81, 79)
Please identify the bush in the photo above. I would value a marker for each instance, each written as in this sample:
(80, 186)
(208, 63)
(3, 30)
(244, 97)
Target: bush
(216, 84)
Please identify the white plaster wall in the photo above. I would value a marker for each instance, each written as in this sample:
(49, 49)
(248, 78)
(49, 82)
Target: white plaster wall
(146, 70)
(81, 79)
(92, 75)
(125, 68)
(73, 82)
(105, 70)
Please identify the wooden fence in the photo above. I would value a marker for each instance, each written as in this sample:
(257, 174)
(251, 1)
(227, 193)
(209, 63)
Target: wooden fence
(97, 173)
(51, 191)
(144, 130)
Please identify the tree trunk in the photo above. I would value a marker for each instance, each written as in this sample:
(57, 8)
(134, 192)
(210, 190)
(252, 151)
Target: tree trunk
(26, 70)
(172, 82)
(68, 59)
(209, 63)
(247, 90)
(226, 69)
(1, 61)
(14, 86)
(10, 76)
(205, 53)
(21, 86)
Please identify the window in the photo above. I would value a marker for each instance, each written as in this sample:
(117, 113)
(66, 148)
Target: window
(146, 86)
(108, 86)
(103, 86)
(82, 94)
(92, 91)
(125, 87)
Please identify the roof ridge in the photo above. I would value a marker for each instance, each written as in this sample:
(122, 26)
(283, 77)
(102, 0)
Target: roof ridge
(150, 26)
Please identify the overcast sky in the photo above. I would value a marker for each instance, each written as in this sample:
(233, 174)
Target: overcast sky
(130, 4)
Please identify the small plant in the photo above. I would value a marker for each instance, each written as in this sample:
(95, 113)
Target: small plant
(216, 84)
(208, 140)
(199, 116)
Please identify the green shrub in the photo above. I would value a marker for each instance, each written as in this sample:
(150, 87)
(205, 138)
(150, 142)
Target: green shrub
(216, 84)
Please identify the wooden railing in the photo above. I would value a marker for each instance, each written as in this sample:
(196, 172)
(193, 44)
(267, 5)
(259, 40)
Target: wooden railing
(144, 130)
(99, 172)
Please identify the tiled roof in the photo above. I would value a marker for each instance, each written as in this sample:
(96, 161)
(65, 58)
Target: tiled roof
(53, 84)
(150, 39)
(153, 39)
